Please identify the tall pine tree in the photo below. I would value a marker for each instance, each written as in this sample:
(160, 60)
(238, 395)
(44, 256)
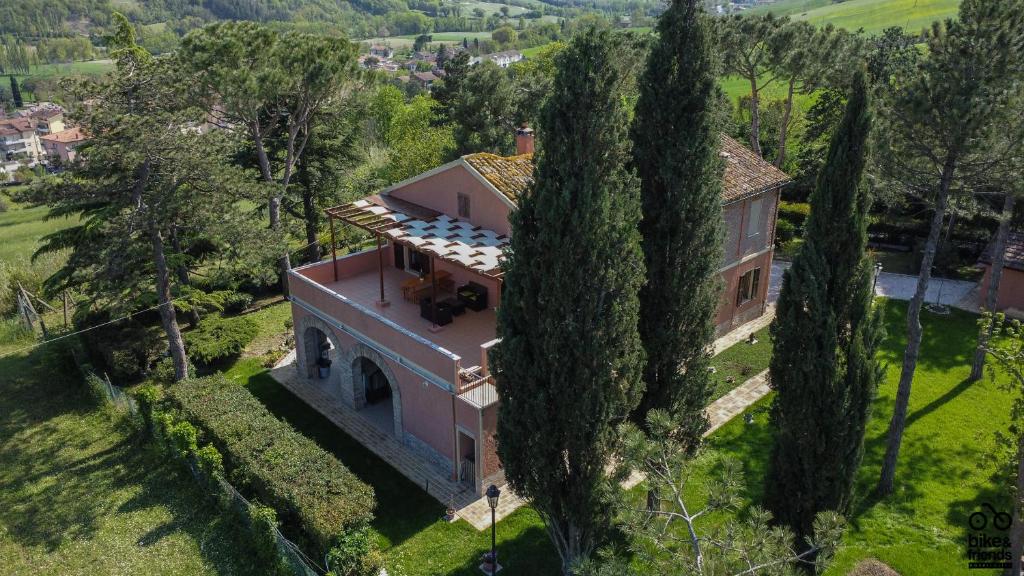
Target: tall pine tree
(675, 151)
(825, 336)
(570, 358)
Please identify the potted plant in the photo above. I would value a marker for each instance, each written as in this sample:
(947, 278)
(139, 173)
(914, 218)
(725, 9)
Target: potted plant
(323, 366)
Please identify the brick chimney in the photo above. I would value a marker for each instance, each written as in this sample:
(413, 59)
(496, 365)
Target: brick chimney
(524, 140)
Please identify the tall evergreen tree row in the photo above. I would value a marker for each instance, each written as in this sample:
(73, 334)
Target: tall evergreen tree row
(825, 336)
(570, 358)
(676, 141)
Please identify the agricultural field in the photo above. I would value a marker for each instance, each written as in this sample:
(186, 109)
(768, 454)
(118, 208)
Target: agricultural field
(871, 15)
(406, 42)
(87, 68)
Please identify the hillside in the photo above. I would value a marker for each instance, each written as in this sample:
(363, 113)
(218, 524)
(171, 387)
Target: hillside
(871, 15)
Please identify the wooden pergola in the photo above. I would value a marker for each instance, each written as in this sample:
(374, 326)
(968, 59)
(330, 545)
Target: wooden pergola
(380, 214)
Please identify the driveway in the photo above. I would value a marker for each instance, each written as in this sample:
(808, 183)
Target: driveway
(895, 286)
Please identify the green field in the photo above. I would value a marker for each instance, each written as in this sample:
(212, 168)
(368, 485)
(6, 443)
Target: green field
(404, 42)
(871, 15)
(88, 68)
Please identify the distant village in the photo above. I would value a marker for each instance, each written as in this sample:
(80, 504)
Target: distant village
(423, 67)
(35, 138)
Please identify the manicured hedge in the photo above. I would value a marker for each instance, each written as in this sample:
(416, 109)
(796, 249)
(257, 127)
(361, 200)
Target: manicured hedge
(307, 486)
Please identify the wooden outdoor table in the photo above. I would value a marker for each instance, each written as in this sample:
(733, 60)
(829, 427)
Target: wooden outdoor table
(414, 288)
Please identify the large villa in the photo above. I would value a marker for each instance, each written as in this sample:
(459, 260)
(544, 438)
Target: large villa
(398, 335)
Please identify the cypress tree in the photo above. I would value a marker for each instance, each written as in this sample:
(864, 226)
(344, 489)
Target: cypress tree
(675, 150)
(16, 93)
(570, 358)
(825, 336)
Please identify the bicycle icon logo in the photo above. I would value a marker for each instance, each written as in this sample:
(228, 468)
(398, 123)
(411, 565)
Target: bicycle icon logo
(979, 520)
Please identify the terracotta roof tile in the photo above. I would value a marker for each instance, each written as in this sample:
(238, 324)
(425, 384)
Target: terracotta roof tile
(65, 136)
(1014, 255)
(745, 173)
(509, 174)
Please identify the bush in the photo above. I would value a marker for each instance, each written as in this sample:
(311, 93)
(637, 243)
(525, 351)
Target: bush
(308, 487)
(784, 232)
(97, 388)
(237, 302)
(125, 349)
(218, 338)
(262, 524)
(163, 372)
(354, 555)
(795, 213)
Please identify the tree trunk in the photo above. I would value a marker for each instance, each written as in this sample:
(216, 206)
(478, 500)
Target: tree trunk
(1017, 528)
(755, 118)
(167, 315)
(995, 276)
(899, 416)
(310, 214)
(182, 272)
(274, 203)
(780, 157)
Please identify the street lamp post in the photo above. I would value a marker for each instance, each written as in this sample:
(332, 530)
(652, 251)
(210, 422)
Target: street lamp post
(492, 501)
(878, 272)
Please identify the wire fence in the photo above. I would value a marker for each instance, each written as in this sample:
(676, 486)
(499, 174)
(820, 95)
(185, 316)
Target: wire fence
(115, 396)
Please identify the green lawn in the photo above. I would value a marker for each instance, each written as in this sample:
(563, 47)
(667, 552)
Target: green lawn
(81, 493)
(736, 364)
(871, 15)
(87, 68)
(21, 229)
(920, 531)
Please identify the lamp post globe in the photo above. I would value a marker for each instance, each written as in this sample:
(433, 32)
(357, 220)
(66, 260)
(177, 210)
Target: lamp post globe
(492, 500)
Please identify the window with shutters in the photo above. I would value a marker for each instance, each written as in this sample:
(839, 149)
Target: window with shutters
(463, 205)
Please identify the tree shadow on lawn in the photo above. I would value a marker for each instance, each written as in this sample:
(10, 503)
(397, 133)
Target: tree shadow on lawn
(531, 552)
(947, 341)
(403, 508)
(66, 470)
(996, 494)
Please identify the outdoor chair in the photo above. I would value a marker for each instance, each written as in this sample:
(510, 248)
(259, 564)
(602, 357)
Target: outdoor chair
(473, 295)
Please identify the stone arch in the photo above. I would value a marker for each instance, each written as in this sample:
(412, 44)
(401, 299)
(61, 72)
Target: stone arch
(357, 393)
(307, 345)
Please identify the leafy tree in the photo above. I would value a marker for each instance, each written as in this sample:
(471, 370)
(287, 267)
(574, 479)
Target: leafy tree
(1004, 342)
(938, 121)
(415, 143)
(142, 177)
(421, 42)
(532, 78)
(675, 150)
(669, 540)
(16, 93)
(753, 47)
(810, 58)
(825, 336)
(556, 421)
(483, 111)
(504, 36)
(447, 90)
(260, 82)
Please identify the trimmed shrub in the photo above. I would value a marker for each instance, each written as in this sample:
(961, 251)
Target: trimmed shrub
(262, 523)
(163, 372)
(784, 232)
(237, 302)
(218, 338)
(97, 388)
(308, 487)
(795, 213)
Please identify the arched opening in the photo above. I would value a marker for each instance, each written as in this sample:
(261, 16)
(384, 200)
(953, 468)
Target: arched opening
(376, 397)
(322, 358)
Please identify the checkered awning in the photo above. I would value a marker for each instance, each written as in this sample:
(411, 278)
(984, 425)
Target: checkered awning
(472, 247)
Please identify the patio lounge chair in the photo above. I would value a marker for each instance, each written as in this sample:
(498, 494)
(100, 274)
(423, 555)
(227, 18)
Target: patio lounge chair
(473, 295)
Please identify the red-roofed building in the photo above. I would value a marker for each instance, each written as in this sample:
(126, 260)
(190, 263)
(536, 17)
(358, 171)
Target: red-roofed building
(396, 338)
(1010, 298)
(19, 140)
(61, 145)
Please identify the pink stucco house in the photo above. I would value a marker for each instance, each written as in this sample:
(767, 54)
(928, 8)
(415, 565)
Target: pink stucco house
(400, 333)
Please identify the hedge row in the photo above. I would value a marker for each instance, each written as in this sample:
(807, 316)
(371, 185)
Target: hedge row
(307, 486)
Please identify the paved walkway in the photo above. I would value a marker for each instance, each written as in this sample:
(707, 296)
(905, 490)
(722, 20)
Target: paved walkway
(901, 287)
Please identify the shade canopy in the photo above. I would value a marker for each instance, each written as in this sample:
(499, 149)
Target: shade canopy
(456, 241)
